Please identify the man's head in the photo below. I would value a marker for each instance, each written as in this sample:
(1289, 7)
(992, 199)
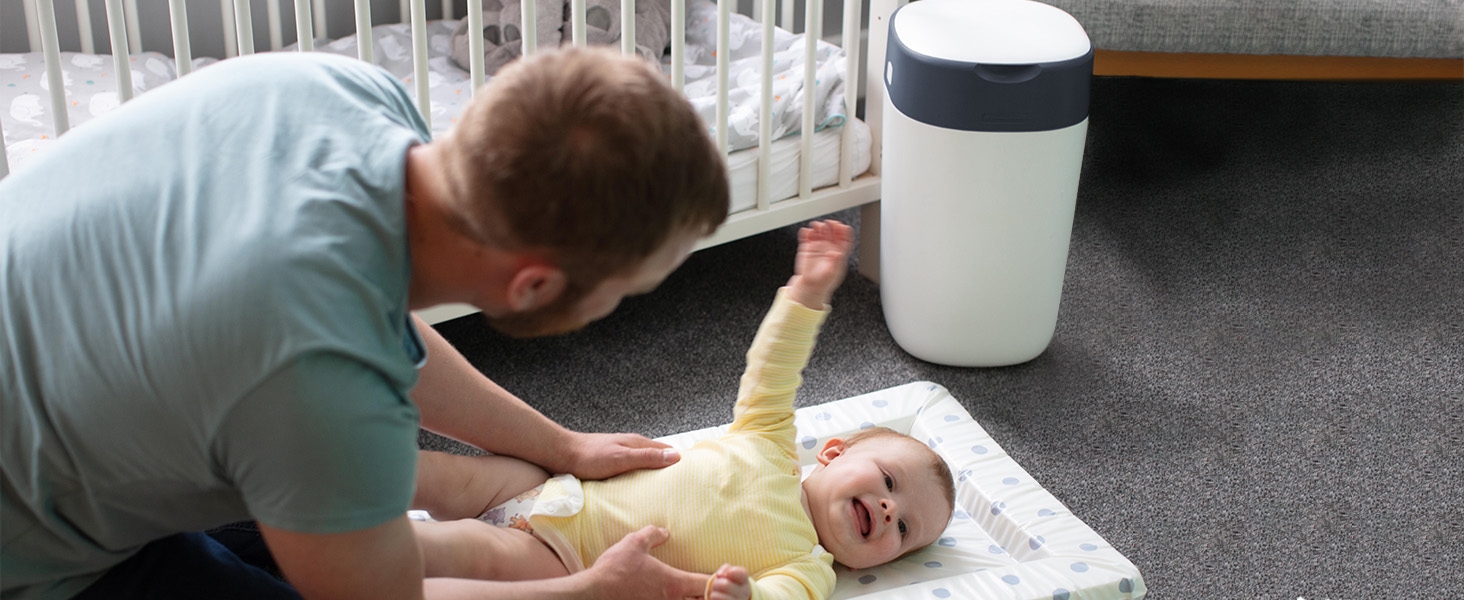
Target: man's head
(878, 495)
(588, 162)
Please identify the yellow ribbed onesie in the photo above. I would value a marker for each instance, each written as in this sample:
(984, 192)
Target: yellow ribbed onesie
(736, 499)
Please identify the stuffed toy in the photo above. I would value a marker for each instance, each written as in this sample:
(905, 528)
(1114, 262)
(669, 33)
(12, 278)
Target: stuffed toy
(503, 38)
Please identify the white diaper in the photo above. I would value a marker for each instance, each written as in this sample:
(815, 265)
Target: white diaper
(561, 496)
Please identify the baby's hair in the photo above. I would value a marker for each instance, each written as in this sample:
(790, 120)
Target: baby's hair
(938, 466)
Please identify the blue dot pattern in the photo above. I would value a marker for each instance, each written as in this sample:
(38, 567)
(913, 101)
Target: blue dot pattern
(934, 564)
(1011, 579)
(867, 579)
(1061, 594)
(940, 593)
(809, 442)
(1080, 567)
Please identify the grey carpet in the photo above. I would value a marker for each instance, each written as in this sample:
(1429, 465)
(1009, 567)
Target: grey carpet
(1256, 382)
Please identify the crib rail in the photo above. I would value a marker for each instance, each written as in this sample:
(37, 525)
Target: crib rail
(237, 29)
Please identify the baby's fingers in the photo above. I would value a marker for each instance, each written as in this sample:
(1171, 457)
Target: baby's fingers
(731, 583)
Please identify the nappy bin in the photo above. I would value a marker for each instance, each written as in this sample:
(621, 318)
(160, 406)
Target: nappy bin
(985, 116)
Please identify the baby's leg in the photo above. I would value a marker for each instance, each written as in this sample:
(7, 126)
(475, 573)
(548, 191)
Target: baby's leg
(451, 486)
(472, 549)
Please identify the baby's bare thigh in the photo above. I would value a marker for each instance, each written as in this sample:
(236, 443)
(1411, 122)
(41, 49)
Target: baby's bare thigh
(472, 549)
(452, 486)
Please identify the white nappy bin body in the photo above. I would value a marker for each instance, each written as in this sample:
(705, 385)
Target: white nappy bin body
(985, 117)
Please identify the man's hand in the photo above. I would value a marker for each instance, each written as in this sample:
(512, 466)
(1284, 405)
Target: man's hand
(731, 583)
(601, 455)
(627, 570)
(821, 263)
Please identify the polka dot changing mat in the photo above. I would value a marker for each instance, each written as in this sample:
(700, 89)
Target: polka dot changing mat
(1009, 537)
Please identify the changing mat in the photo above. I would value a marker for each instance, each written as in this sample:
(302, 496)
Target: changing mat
(1009, 537)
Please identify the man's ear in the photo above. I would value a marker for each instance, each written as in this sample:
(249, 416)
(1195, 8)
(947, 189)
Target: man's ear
(534, 285)
(831, 450)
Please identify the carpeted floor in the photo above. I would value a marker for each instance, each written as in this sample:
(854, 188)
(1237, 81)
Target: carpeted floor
(1256, 382)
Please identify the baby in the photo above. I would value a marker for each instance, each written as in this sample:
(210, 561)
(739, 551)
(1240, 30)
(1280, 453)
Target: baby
(735, 506)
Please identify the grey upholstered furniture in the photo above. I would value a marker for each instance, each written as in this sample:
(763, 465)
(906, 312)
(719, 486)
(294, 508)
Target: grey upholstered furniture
(1274, 38)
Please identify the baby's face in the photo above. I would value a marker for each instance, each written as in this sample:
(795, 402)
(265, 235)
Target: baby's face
(874, 501)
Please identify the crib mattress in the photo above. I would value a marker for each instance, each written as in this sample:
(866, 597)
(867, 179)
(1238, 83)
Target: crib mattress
(1009, 537)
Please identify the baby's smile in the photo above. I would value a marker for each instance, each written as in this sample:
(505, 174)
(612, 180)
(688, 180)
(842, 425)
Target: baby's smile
(862, 518)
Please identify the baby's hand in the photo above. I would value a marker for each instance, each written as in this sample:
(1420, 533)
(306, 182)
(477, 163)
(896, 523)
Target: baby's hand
(731, 583)
(822, 261)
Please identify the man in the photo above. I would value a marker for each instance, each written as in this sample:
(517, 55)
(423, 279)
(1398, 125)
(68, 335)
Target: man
(204, 317)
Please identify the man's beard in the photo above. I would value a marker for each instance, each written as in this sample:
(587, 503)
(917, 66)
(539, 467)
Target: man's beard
(555, 318)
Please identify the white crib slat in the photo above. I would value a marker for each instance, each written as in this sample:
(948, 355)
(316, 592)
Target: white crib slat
(577, 14)
(765, 111)
(851, 88)
(117, 30)
(134, 28)
(627, 27)
(32, 27)
(272, 14)
(182, 49)
(365, 48)
(724, 15)
(226, 10)
(475, 44)
(244, 27)
(419, 59)
(787, 15)
(874, 75)
(812, 21)
(321, 30)
(51, 46)
(528, 26)
(404, 11)
(4, 160)
(303, 26)
(84, 28)
(678, 44)
(447, 9)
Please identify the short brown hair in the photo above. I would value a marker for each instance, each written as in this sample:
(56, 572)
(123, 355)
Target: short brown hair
(938, 467)
(587, 156)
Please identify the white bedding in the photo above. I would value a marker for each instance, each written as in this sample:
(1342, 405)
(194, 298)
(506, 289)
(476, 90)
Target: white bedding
(1009, 538)
(25, 106)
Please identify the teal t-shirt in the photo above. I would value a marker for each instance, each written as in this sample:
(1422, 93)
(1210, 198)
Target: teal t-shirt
(203, 318)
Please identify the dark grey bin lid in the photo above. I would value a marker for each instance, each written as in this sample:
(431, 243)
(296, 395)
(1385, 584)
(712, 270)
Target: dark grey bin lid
(988, 65)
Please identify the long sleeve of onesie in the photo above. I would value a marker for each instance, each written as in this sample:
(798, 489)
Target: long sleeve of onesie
(765, 398)
(736, 499)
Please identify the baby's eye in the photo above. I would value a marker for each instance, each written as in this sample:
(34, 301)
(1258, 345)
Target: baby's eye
(889, 483)
(902, 528)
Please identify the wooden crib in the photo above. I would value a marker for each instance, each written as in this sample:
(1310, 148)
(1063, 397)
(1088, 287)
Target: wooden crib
(785, 185)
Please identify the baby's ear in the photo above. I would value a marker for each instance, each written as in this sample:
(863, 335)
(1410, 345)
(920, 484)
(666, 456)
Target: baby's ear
(831, 450)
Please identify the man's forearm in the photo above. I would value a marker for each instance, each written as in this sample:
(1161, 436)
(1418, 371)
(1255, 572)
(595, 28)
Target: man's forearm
(461, 403)
(563, 588)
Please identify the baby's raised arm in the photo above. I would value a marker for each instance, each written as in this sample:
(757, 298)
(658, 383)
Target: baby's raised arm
(821, 263)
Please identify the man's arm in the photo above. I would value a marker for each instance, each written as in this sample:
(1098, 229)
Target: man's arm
(458, 401)
(626, 571)
(385, 562)
(380, 562)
